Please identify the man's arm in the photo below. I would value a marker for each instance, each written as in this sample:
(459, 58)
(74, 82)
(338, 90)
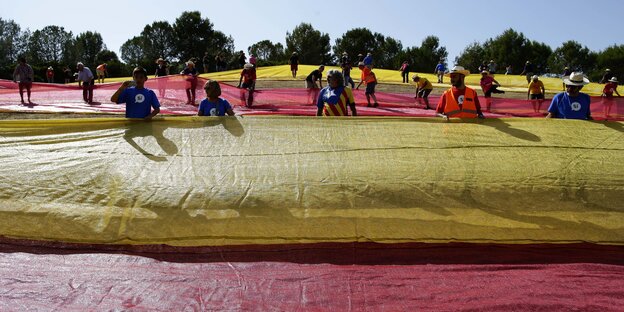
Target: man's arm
(153, 113)
(123, 86)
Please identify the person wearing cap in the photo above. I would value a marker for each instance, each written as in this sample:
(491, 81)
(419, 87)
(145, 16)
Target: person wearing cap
(247, 83)
(23, 75)
(100, 71)
(294, 64)
(191, 74)
(489, 85)
(459, 101)
(213, 104)
(86, 77)
(50, 74)
(368, 77)
(345, 64)
(607, 75)
(368, 60)
(492, 67)
(439, 71)
(335, 97)
(528, 71)
(571, 104)
(162, 70)
(423, 89)
(566, 73)
(138, 99)
(405, 71)
(607, 95)
(536, 92)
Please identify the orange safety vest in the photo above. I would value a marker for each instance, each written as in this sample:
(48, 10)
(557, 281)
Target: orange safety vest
(468, 109)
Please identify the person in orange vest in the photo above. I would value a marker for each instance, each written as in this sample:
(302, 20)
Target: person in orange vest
(459, 101)
(368, 77)
(101, 72)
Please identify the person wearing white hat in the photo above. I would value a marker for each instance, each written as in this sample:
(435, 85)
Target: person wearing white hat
(247, 82)
(571, 104)
(535, 93)
(50, 74)
(607, 95)
(459, 101)
(191, 74)
(607, 75)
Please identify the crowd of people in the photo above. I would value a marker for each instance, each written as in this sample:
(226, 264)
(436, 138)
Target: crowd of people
(336, 98)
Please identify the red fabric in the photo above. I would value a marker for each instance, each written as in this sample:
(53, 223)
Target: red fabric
(336, 277)
(68, 98)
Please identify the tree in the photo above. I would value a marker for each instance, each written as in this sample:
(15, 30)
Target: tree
(49, 45)
(12, 42)
(193, 35)
(426, 57)
(132, 52)
(509, 48)
(573, 55)
(268, 52)
(471, 57)
(612, 58)
(357, 41)
(88, 45)
(312, 46)
(158, 39)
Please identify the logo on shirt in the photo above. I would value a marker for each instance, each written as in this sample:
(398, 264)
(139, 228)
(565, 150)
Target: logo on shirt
(213, 112)
(575, 106)
(139, 98)
(460, 100)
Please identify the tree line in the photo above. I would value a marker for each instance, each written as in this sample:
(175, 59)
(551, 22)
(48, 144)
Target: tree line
(192, 36)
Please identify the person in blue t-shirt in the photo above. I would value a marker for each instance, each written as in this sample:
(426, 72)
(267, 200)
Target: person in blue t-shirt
(571, 104)
(213, 105)
(139, 100)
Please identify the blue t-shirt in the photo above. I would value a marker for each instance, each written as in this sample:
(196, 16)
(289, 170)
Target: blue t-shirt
(220, 108)
(139, 102)
(568, 107)
(439, 68)
(368, 60)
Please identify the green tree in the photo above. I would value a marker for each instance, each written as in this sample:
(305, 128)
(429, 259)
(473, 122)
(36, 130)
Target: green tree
(88, 45)
(612, 58)
(132, 52)
(509, 48)
(158, 39)
(193, 35)
(267, 52)
(49, 45)
(428, 55)
(357, 41)
(13, 42)
(471, 57)
(573, 55)
(312, 46)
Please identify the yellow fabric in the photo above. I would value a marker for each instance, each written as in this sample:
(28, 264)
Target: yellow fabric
(266, 180)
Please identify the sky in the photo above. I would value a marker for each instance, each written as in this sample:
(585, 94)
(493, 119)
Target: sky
(596, 24)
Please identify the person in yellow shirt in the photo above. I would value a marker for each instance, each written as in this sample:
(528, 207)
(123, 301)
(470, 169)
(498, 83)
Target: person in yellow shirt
(536, 92)
(423, 88)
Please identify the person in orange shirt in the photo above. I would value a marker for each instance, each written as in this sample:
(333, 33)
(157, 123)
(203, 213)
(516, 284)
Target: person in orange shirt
(459, 101)
(368, 78)
(536, 93)
(100, 71)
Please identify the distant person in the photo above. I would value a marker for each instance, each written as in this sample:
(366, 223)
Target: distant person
(606, 76)
(67, 74)
(492, 66)
(566, 73)
(50, 74)
(405, 71)
(509, 70)
(536, 93)
(206, 62)
(360, 58)
(253, 60)
(85, 76)
(101, 72)
(439, 71)
(571, 104)
(368, 77)
(334, 99)
(489, 85)
(162, 70)
(423, 89)
(191, 74)
(311, 86)
(528, 71)
(459, 101)
(607, 95)
(345, 65)
(23, 75)
(220, 64)
(294, 64)
(242, 59)
(213, 104)
(247, 82)
(138, 99)
(368, 60)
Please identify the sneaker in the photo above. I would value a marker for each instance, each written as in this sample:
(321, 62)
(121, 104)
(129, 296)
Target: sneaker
(376, 104)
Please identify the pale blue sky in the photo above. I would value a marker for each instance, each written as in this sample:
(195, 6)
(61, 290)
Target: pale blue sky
(595, 24)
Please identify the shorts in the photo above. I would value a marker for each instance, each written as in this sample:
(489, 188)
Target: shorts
(247, 85)
(99, 72)
(311, 85)
(294, 67)
(25, 85)
(424, 93)
(370, 88)
(538, 96)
